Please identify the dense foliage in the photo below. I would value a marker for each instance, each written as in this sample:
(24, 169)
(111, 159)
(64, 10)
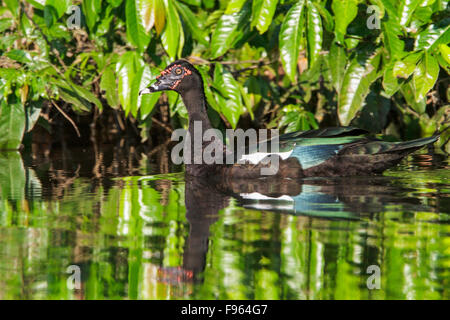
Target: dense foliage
(379, 64)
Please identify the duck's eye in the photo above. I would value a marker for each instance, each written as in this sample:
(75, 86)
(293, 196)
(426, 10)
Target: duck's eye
(178, 71)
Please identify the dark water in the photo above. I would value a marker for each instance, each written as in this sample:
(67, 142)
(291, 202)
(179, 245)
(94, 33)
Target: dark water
(133, 231)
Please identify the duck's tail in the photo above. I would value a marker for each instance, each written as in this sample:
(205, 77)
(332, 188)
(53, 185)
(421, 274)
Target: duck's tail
(413, 145)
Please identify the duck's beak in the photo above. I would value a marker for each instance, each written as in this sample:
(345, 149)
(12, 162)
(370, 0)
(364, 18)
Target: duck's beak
(163, 83)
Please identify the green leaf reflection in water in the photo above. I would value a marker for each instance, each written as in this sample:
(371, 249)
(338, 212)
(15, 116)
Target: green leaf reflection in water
(168, 237)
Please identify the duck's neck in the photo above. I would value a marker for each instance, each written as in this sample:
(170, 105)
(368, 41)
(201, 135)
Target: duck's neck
(195, 103)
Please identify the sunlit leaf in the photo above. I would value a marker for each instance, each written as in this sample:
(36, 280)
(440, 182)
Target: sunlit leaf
(432, 36)
(136, 31)
(344, 12)
(231, 105)
(425, 76)
(172, 37)
(262, 14)
(12, 124)
(227, 30)
(290, 36)
(355, 86)
(314, 34)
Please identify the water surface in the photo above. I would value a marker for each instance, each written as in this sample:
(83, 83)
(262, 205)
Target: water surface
(137, 228)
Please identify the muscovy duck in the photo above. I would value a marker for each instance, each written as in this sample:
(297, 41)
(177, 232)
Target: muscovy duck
(335, 151)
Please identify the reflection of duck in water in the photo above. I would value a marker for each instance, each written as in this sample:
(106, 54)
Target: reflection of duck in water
(347, 198)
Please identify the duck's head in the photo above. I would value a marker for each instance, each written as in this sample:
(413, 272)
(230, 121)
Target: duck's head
(178, 76)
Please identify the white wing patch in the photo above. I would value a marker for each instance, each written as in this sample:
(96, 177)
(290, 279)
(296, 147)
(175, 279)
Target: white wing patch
(255, 158)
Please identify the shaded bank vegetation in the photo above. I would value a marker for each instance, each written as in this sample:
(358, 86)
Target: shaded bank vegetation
(75, 68)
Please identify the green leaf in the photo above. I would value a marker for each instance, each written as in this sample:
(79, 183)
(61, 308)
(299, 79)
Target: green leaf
(262, 14)
(425, 76)
(160, 15)
(172, 37)
(231, 105)
(344, 13)
(337, 60)
(79, 96)
(126, 70)
(431, 37)
(392, 31)
(390, 82)
(136, 33)
(13, 6)
(12, 176)
(208, 92)
(290, 36)
(91, 10)
(314, 34)
(60, 6)
(406, 9)
(228, 29)
(355, 86)
(193, 23)
(39, 4)
(21, 56)
(407, 91)
(12, 124)
(326, 15)
(445, 53)
(405, 67)
(108, 83)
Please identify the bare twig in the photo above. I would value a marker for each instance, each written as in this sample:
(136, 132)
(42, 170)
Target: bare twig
(64, 114)
(162, 125)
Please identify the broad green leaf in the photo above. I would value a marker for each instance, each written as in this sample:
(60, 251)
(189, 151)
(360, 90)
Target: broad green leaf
(337, 60)
(12, 176)
(208, 92)
(290, 36)
(431, 37)
(172, 37)
(33, 112)
(194, 24)
(231, 106)
(108, 83)
(136, 33)
(91, 10)
(425, 76)
(246, 100)
(227, 30)
(445, 53)
(135, 88)
(326, 16)
(262, 14)
(12, 124)
(390, 82)
(406, 9)
(160, 15)
(234, 6)
(355, 87)
(79, 96)
(405, 67)
(407, 91)
(148, 101)
(21, 56)
(126, 70)
(37, 3)
(391, 37)
(13, 6)
(314, 34)
(147, 13)
(344, 12)
(60, 6)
